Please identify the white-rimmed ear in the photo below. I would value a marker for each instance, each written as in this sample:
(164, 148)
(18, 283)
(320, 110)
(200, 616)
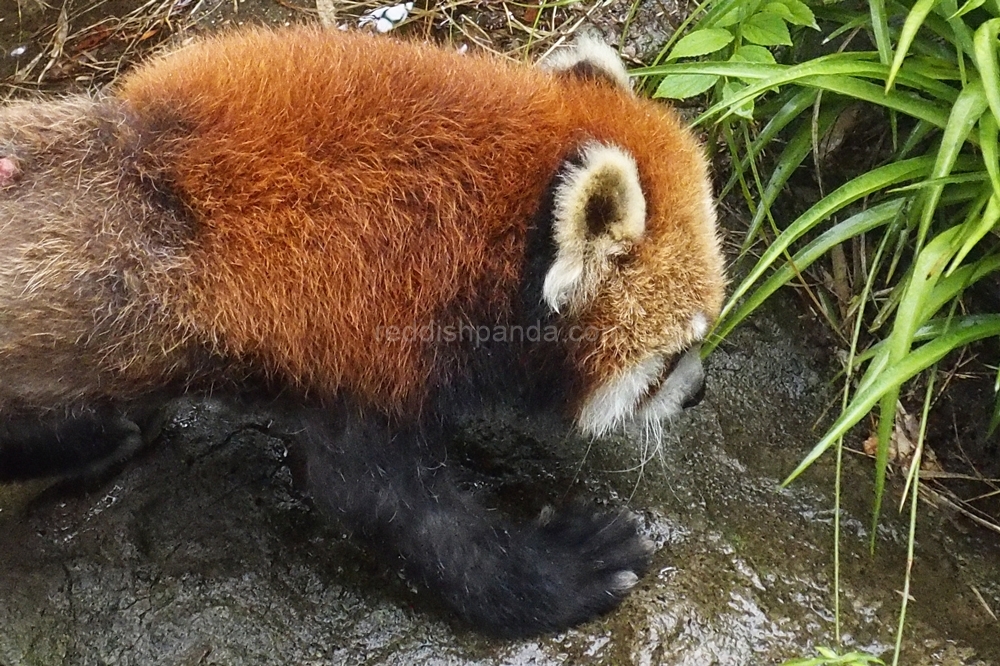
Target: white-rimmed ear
(599, 212)
(589, 57)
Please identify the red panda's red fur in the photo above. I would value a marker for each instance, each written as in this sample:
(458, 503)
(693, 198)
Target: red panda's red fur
(380, 181)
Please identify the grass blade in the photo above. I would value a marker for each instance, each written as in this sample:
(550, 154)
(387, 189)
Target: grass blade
(985, 53)
(989, 141)
(856, 224)
(968, 108)
(877, 179)
(880, 26)
(915, 19)
(964, 331)
(788, 112)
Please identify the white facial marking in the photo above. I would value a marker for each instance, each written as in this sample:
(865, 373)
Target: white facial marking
(561, 281)
(625, 399)
(699, 326)
(612, 404)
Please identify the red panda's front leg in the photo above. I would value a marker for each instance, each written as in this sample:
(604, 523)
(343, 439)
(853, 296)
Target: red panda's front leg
(69, 442)
(386, 484)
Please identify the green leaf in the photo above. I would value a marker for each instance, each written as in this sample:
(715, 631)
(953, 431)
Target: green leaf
(793, 11)
(880, 26)
(915, 19)
(945, 291)
(701, 42)
(976, 231)
(682, 86)
(731, 89)
(789, 111)
(855, 225)
(732, 16)
(911, 105)
(871, 181)
(962, 333)
(753, 53)
(794, 153)
(965, 113)
(985, 52)
(835, 72)
(911, 313)
(968, 7)
(989, 140)
(766, 29)
(780, 9)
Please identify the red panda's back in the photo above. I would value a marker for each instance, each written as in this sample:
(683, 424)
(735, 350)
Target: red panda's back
(373, 180)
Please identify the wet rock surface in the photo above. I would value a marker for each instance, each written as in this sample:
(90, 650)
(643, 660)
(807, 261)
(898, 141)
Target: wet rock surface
(201, 550)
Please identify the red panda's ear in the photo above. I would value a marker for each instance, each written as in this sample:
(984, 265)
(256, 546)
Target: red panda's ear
(599, 213)
(590, 58)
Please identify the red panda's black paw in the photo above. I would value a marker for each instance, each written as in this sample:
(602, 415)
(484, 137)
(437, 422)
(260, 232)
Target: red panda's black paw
(567, 568)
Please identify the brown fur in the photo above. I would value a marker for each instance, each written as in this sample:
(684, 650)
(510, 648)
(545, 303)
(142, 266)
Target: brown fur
(84, 259)
(383, 183)
(379, 181)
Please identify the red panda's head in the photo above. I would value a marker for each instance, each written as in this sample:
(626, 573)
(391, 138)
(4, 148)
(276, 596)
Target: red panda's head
(637, 271)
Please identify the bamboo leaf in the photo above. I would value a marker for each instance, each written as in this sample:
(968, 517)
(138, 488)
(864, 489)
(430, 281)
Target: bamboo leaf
(919, 74)
(946, 290)
(968, 7)
(911, 106)
(731, 89)
(989, 140)
(965, 113)
(792, 156)
(853, 226)
(985, 54)
(837, 72)
(880, 26)
(789, 111)
(975, 232)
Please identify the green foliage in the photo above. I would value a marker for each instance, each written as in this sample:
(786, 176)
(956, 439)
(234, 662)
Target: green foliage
(921, 221)
(932, 67)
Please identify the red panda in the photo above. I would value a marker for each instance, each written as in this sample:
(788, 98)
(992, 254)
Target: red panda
(390, 230)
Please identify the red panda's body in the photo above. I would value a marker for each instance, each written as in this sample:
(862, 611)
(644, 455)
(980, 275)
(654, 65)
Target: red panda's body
(304, 205)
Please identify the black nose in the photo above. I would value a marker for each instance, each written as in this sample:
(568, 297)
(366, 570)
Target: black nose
(698, 396)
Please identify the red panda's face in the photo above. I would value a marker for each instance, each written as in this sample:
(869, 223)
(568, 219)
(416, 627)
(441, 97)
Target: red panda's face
(639, 279)
(637, 272)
